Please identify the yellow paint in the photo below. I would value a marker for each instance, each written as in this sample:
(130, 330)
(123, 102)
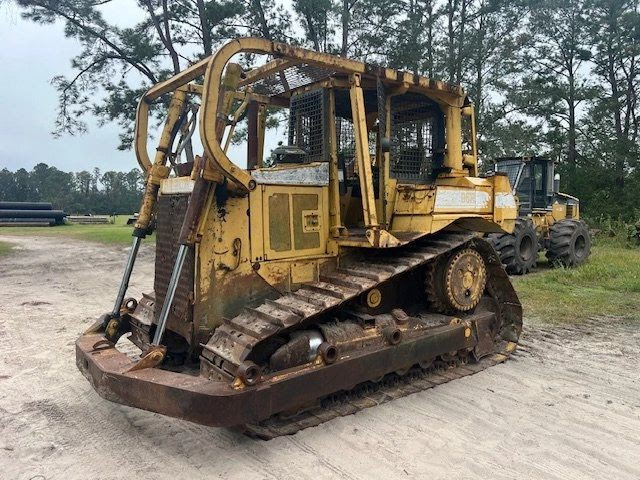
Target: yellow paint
(470, 160)
(315, 222)
(237, 260)
(157, 171)
(262, 121)
(363, 161)
(334, 188)
(453, 132)
(543, 220)
(374, 298)
(303, 272)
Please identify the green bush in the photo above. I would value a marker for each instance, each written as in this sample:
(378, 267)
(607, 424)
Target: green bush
(615, 231)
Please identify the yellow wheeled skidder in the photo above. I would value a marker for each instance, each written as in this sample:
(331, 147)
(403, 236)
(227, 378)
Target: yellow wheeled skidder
(350, 271)
(548, 220)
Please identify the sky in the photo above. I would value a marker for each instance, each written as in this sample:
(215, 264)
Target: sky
(31, 55)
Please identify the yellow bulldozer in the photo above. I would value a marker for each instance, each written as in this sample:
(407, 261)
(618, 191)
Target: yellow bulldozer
(348, 270)
(548, 220)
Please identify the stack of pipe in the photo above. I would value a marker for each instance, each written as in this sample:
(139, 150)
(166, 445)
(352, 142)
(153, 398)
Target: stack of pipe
(29, 214)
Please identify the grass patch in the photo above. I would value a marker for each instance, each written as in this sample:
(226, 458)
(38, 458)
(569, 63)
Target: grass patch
(114, 233)
(5, 248)
(608, 284)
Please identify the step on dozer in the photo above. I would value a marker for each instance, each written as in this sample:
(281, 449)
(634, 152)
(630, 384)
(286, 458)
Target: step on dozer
(346, 269)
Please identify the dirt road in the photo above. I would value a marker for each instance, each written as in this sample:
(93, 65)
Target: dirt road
(566, 406)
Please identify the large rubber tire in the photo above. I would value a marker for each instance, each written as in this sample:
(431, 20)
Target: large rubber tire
(569, 243)
(518, 250)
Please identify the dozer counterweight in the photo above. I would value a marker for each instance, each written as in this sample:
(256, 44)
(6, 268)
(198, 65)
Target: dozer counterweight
(345, 270)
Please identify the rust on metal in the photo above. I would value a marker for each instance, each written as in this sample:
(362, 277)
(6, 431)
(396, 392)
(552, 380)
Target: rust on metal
(252, 135)
(340, 273)
(257, 324)
(152, 358)
(213, 398)
(201, 400)
(172, 209)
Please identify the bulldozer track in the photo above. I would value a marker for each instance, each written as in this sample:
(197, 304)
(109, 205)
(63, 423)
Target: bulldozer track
(232, 342)
(370, 394)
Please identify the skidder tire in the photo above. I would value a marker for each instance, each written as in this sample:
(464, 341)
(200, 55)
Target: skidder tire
(569, 243)
(518, 250)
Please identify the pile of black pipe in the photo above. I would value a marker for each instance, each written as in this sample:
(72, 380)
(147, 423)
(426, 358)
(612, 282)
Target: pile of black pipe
(30, 214)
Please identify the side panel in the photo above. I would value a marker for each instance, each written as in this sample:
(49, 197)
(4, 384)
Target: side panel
(225, 279)
(279, 222)
(477, 200)
(295, 222)
(306, 221)
(482, 204)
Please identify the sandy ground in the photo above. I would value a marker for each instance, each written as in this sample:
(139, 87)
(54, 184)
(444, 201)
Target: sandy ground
(567, 405)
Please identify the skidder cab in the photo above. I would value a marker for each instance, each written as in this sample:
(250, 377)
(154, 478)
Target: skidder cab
(349, 260)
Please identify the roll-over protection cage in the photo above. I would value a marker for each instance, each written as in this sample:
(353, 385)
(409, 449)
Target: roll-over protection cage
(419, 132)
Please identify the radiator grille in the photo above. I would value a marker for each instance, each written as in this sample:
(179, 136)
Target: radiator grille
(170, 212)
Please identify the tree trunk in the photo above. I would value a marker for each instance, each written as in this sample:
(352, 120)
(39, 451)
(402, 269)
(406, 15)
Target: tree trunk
(206, 28)
(258, 10)
(479, 64)
(313, 33)
(429, 11)
(167, 33)
(346, 18)
(612, 60)
(461, 40)
(571, 134)
(164, 32)
(632, 119)
(451, 60)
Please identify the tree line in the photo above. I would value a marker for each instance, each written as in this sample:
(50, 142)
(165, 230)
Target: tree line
(76, 193)
(548, 77)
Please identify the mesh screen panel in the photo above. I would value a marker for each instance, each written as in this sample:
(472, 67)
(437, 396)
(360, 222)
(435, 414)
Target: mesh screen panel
(290, 78)
(511, 168)
(171, 210)
(307, 126)
(347, 145)
(411, 141)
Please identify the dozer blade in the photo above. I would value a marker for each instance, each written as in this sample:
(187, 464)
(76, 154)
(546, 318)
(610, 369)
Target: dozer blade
(219, 404)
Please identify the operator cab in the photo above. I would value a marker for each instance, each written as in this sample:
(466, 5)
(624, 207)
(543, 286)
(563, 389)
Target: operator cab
(411, 136)
(532, 180)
